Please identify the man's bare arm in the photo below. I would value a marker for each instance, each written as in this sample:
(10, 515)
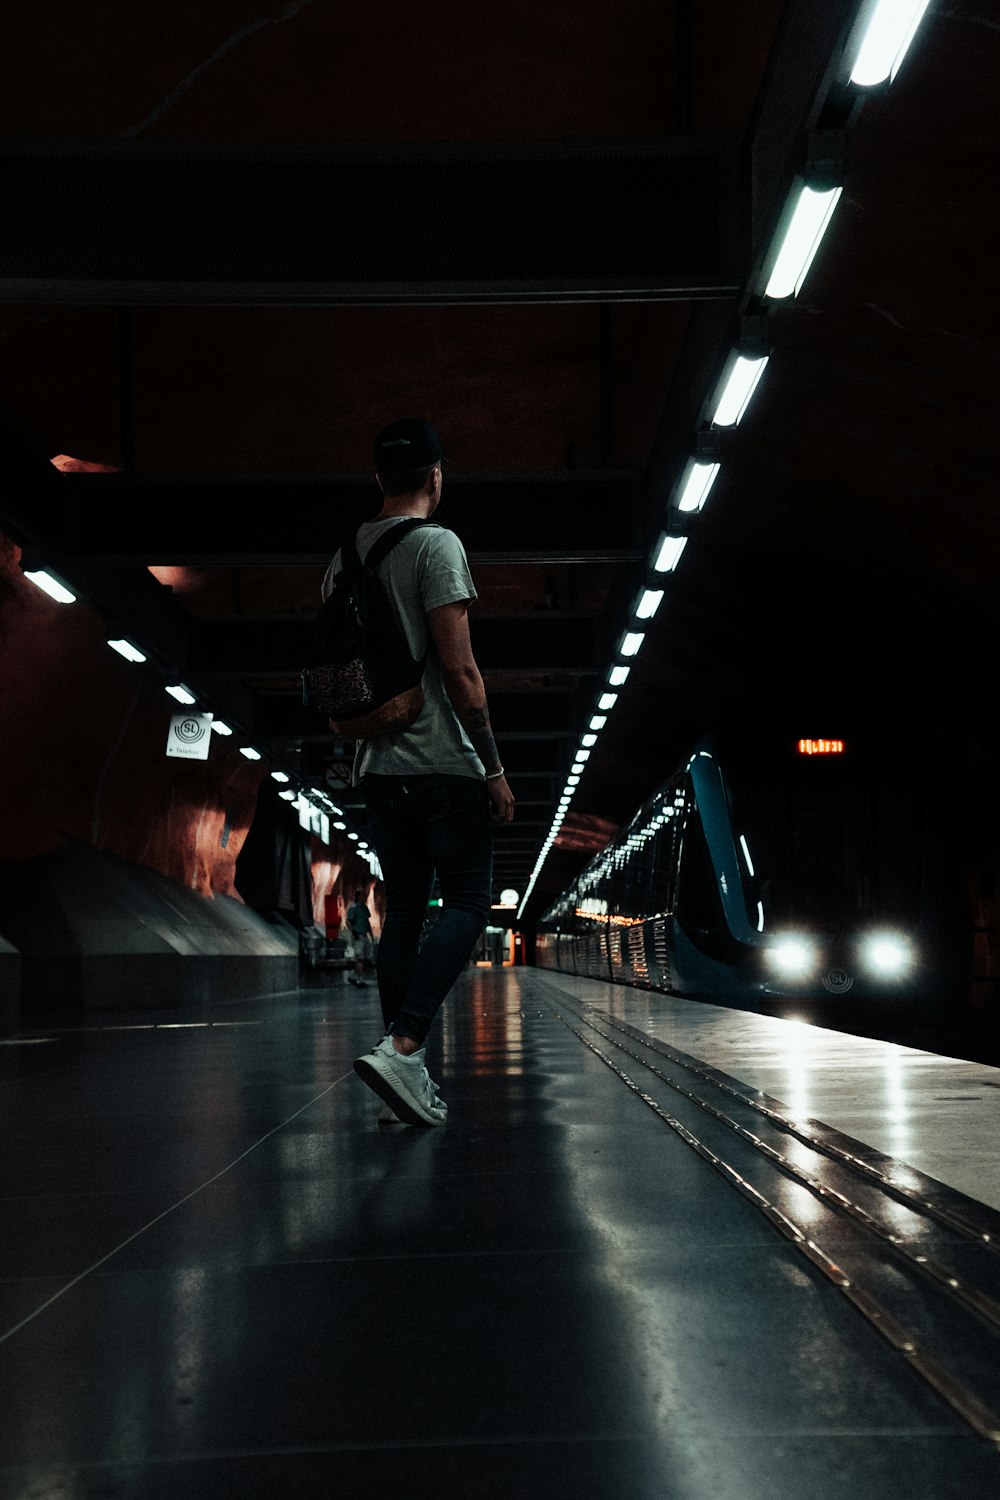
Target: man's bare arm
(449, 628)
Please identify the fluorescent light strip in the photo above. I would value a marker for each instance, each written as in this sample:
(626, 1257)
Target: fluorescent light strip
(51, 586)
(669, 554)
(632, 641)
(607, 701)
(886, 40)
(221, 727)
(698, 482)
(278, 776)
(618, 675)
(738, 389)
(811, 215)
(126, 649)
(589, 739)
(181, 694)
(648, 604)
(250, 752)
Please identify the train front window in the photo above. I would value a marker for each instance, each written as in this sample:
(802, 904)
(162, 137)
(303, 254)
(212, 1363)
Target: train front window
(828, 844)
(697, 899)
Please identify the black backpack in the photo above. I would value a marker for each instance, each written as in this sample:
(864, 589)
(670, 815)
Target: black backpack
(363, 678)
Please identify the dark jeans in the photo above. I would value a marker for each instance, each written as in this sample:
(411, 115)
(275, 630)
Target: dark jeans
(419, 824)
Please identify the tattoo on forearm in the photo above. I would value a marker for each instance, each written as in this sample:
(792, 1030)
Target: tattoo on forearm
(476, 723)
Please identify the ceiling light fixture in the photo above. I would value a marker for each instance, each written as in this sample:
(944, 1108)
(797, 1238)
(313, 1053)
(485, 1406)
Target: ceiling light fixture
(617, 676)
(648, 604)
(669, 554)
(250, 752)
(221, 727)
(737, 386)
(181, 693)
(126, 649)
(812, 211)
(49, 584)
(889, 30)
(695, 484)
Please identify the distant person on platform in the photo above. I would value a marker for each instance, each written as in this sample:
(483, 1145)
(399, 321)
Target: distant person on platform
(430, 790)
(359, 924)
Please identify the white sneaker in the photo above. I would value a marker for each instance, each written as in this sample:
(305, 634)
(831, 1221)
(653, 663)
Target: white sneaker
(403, 1082)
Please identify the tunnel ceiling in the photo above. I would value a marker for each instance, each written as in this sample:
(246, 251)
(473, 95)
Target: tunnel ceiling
(245, 243)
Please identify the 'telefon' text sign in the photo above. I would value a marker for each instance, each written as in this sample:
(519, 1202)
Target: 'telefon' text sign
(189, 736)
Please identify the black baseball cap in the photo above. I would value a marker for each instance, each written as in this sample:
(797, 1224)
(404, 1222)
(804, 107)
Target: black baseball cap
(407, 444)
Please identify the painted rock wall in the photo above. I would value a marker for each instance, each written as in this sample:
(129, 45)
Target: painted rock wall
(82, 756)
(82, 750)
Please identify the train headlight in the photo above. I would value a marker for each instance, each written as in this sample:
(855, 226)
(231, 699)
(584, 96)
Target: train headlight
(888, 955)
(792, 956)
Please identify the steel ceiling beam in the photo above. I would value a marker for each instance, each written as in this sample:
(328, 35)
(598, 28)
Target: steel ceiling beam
(188, 521)
(546, 642)
(160, 223)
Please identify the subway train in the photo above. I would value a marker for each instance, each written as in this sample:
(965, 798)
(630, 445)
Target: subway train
(774, 870)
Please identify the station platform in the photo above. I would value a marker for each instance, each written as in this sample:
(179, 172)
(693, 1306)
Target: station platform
(660, 1249)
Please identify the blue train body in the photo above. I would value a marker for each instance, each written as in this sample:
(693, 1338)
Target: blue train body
(760, 872)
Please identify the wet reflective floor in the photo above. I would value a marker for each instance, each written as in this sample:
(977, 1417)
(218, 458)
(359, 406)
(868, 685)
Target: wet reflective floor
(220, 1276)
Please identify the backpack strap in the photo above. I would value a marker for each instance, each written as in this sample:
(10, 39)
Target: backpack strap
(390, 539)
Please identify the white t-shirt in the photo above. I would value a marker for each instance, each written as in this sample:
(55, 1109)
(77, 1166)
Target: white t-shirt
(426, 569)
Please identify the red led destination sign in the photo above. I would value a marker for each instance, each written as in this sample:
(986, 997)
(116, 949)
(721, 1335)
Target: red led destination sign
(821, 747)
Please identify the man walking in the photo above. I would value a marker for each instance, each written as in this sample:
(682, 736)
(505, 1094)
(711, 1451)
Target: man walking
(359, 924)
(432, 789)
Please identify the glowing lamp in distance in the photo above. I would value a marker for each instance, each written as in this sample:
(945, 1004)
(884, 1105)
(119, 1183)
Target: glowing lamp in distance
(888, 955)
(792, 957)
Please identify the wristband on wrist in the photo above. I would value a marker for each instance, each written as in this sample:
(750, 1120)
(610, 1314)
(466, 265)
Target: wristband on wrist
(494, 775)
